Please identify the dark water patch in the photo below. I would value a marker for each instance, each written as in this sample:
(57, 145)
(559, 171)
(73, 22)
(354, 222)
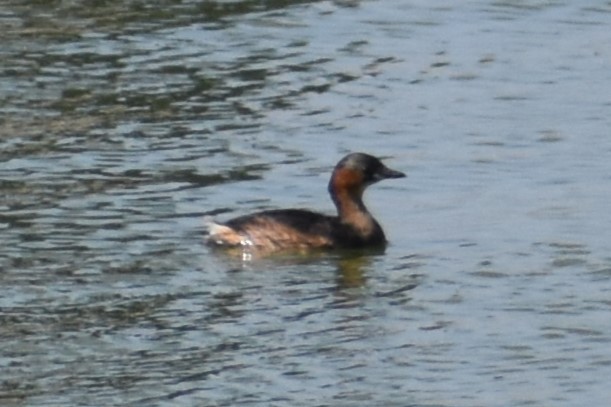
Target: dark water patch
(114, 312)
(489, 274)
(561, 331)
(108, 88)
(550, 136)
(601, 273)
(568, 262)
(194, 179)
(600, 8)
(119, 17)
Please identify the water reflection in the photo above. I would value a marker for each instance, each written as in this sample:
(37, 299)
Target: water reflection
(351, 266)
(351, 271)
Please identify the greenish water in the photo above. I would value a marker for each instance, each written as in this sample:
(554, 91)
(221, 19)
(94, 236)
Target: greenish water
(124, 123)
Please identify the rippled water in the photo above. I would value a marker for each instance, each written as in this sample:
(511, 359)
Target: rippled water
(122, 124)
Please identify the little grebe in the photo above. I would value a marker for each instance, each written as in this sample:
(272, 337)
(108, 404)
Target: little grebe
(285, 229)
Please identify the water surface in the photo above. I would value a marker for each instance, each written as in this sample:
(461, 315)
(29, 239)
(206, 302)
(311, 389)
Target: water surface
(123, 124)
